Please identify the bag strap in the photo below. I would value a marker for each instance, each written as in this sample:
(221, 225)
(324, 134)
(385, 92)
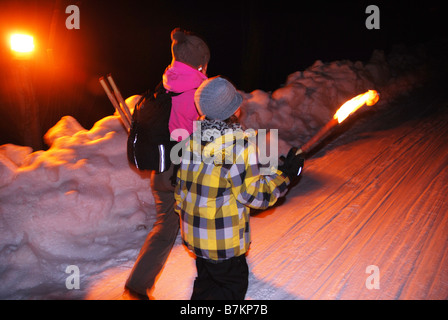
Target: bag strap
(174, 94)
(161, 89)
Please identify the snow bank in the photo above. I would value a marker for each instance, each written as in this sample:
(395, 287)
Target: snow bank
(309, 98)
(78, 203)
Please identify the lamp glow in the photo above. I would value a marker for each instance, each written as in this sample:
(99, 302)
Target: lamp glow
(22, 43)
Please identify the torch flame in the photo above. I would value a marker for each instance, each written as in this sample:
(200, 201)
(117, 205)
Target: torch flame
(369, 98)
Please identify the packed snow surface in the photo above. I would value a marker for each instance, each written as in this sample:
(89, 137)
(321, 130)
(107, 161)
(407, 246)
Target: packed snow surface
(374, 195)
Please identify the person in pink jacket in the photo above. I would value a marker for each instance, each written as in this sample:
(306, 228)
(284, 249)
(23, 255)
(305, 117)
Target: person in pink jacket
(180, 77)
(184, 75)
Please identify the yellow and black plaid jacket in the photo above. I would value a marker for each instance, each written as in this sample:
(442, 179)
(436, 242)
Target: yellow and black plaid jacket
(217, 183)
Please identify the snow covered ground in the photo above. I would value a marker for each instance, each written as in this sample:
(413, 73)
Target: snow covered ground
(374, 194)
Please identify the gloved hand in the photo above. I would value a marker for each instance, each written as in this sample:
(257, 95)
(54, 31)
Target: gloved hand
(292, 164)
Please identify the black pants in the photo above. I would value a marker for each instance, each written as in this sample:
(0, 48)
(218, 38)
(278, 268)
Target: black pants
(226, 280)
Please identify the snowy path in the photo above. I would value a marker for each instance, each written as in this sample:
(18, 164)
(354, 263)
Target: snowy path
(375, 195)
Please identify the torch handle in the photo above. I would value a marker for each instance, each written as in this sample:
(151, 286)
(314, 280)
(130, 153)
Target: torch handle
(323, 132)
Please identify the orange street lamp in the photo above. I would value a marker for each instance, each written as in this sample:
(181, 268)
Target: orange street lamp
(22, 45)
(22, 48)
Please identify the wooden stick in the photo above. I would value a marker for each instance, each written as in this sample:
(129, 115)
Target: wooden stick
(119, 97)
(114, 102)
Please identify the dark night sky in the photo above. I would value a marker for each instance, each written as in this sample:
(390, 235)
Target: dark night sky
(257, 44)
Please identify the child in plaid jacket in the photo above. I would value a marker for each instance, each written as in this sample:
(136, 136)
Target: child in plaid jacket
(218, 181)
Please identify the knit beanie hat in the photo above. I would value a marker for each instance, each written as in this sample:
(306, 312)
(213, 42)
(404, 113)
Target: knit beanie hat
(188, 48)
(217, 98)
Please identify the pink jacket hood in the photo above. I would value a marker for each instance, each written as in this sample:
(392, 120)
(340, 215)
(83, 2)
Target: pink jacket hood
(180, 77)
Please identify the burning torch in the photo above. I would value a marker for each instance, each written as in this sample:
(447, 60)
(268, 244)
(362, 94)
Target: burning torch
(369, 98)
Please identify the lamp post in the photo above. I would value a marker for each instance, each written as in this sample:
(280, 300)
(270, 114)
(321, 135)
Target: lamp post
(22, 48)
